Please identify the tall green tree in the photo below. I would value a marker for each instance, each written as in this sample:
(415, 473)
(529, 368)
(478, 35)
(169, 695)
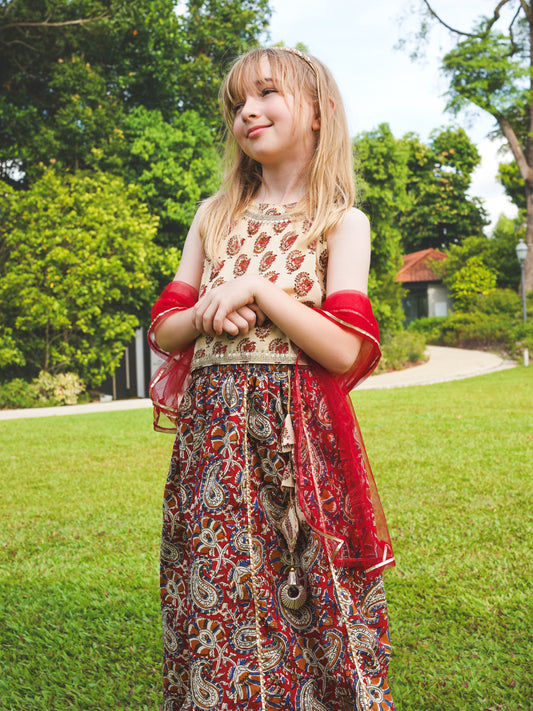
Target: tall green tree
(381, 169)
(76, 259)
(439, 211)
(491, 68)
(72, 70)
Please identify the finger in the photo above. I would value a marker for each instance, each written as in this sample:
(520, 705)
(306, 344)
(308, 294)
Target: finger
(259, 314)
(248, 314)
(240, 322)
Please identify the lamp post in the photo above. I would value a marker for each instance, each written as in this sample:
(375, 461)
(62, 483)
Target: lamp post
(521, 253)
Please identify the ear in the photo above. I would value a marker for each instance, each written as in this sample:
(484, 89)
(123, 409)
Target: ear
(316, 121)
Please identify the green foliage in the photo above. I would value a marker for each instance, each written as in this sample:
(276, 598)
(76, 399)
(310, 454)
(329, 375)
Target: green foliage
(496, 253)
(60, 389)
(17, 393)
(488, 325)
(487, 71)
(381, 169)
(215, 32)
(175, 165)
(402, 349)
(500, 251)
(75, 266)
(439, 211)
(69, 87)
(45, 391)
(473, 279)
(491, 70)
(509, 176)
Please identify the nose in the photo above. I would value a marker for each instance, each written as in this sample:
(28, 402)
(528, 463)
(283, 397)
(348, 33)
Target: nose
(250, 108)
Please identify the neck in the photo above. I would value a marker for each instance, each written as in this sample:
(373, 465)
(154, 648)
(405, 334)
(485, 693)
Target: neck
(282, 186)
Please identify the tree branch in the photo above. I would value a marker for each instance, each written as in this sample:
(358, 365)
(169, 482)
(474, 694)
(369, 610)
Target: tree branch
(53, 24)
(514, 47)
(526, 8)
(24, 44)
(514, 144)
(491, 22)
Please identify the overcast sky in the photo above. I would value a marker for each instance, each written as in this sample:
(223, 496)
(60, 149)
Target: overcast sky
(380, 84)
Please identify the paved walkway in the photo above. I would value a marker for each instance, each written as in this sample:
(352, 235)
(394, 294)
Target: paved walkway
(444, 364)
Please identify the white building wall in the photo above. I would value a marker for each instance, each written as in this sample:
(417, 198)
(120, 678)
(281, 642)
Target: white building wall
(439, 302)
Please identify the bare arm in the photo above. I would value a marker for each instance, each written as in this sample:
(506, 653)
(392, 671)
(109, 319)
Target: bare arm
(330, 345)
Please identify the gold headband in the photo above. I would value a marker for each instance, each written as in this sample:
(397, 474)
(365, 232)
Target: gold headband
(304, 57)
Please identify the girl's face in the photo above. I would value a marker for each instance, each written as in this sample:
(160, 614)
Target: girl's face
(270, 128)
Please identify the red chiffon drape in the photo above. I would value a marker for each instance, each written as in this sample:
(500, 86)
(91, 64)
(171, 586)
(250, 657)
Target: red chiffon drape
(337, 493)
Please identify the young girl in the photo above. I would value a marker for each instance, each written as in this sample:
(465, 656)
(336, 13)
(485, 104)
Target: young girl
(273, 536)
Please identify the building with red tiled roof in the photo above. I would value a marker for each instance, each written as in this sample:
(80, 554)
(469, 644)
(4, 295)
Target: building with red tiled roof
(425, 295)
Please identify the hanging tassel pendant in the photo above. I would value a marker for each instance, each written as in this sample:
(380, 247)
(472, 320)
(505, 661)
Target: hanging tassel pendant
(292, 594)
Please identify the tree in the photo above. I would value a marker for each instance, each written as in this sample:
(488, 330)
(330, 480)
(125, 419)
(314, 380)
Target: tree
(381, 169)
(216, 32)
(175, 166)
(439, 211)
(76, 255)
(493, 70)
(72, 70)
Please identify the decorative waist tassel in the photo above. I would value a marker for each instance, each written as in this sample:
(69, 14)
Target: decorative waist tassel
(292, 592)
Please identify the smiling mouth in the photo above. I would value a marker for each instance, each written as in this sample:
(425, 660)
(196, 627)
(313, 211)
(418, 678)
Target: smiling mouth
(256, 130)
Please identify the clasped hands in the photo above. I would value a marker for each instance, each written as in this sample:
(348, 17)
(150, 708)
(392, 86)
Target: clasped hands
(229, 308)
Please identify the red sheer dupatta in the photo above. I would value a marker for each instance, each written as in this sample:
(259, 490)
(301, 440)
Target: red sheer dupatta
(171, 379)
(336, 489)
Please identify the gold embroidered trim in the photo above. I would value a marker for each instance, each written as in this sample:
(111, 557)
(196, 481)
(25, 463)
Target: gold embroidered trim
(245, 358)
(358, 664)
(248, 499)
(354, 328)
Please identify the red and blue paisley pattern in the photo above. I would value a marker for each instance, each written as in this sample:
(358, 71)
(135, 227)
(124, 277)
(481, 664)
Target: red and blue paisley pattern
(229, 643)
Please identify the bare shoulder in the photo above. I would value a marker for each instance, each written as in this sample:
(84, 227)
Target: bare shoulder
(355, 225)
(349, 253)
(192, 256)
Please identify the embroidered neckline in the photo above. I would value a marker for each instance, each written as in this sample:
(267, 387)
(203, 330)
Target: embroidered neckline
(272, 212)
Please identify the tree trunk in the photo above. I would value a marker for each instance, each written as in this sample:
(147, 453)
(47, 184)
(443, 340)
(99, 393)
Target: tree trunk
(528, 267)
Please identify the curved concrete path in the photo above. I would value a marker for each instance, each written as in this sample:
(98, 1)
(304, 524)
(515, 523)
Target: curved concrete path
(444, 364)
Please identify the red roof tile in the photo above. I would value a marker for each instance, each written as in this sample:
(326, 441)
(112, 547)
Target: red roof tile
(415, 266)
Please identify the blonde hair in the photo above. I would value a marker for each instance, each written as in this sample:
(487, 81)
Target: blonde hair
(330, 189)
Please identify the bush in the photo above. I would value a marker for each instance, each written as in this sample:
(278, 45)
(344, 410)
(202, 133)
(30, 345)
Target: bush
(481, 330)
(17, 394)
(401, 350)
(499, 302)
(61, 389)
(428, 326)
(45, 391)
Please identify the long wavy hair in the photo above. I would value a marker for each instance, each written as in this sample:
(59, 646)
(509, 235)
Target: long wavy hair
(330, 188)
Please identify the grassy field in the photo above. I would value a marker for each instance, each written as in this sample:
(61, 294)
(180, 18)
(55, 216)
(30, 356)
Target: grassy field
(79, 532)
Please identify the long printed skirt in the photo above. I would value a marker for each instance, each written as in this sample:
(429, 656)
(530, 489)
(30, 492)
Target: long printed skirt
(229, 641)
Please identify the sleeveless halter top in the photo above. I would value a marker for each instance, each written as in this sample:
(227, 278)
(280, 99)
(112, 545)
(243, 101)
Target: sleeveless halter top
(269, 241)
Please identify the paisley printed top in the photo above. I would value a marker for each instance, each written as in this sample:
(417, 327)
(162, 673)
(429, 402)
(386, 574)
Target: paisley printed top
(269, 241)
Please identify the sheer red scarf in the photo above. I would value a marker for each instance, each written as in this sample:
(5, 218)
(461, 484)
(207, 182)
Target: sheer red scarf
(337, 493)
(171, 379)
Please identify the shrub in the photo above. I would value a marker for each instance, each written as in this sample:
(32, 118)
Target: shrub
(17, 394)
(45, 391)
(402, 349)
(500, 301)
(61, 389)
(477, 330)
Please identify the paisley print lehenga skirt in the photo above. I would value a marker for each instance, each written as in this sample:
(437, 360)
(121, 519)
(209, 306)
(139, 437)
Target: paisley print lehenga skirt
(229, 641)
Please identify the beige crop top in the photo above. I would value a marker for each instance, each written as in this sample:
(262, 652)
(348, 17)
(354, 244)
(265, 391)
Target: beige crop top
(266, 240)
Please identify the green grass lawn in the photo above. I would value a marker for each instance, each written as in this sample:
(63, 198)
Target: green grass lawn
(79, 535)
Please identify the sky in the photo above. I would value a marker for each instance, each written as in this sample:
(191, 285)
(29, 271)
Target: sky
(358, 39)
